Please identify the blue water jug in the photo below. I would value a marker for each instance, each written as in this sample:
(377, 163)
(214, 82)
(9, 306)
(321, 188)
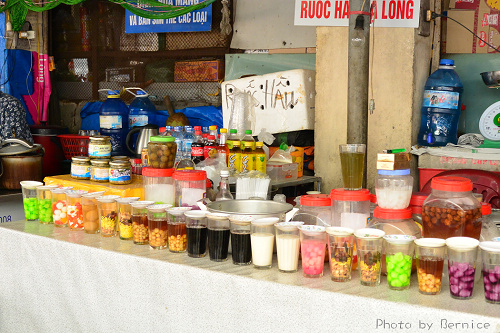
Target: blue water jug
(441, 106)
(142, 110)
(113, 122)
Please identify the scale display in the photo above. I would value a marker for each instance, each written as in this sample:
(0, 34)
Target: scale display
(489, 125)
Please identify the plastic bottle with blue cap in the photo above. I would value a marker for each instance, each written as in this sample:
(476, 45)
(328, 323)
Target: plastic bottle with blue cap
(142, 110)
(113, 121)
(441, 106)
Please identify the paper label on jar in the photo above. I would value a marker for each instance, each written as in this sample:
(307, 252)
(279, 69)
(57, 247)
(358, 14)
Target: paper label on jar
(81, 171)
(137, 120)
(110, 122)
(101, 174)
(441, 99)
(119, 175)
(99, 150)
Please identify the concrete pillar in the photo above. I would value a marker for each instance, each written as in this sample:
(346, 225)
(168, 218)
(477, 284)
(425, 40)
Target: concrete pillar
(399, 67)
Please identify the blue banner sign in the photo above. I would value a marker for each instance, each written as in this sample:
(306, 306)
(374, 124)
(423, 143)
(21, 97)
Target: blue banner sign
(198, 20)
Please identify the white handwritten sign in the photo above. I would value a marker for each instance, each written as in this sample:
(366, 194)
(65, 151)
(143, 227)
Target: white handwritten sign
(335, 13)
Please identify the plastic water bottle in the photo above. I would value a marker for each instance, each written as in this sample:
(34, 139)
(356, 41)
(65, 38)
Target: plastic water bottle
(441, 106)
(169, 131)
(188, 141)
(142, 110)
(179, 137)
(113, 122)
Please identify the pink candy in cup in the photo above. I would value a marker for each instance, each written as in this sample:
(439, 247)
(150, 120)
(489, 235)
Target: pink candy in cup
(462, 252)
(490, 252)
(312, 244)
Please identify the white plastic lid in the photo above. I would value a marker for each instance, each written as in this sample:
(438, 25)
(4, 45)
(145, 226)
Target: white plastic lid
(462, 243)
(312, 228)
(46, 187)
(339, 231)
(177, 211)
(159, 207)
(266, 221)
(108, 198)
(224, 173)
(75, 193)
(93, 194)
(490, 246)
(218, 216)
(30, 184)
(141, 204)
(369, 233)
(430, 242)
(126, 200)
(288, 226)
(240, 218)
(399, 239)
(196, 214)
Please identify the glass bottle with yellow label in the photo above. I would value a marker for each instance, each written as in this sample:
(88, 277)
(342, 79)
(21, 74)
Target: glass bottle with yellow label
(247, 157)
(260, 157)
(235, 157)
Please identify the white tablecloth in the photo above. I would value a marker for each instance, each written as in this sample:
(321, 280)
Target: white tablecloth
(54, 280)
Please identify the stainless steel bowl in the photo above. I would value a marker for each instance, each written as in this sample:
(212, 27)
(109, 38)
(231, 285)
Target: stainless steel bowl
(491, 79)
(253, 208)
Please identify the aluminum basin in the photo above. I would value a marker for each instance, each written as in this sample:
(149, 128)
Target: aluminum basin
(254, 208)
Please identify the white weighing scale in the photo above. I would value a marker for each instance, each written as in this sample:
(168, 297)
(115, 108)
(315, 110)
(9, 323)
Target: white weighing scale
(489, 123)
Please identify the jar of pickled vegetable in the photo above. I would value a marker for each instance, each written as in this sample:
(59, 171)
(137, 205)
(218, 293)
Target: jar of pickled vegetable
(451, 210)
(162, 151)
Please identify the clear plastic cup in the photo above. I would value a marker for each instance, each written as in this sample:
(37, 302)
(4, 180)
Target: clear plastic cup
(490, 252)
(74, 209)
(462, 253)
(369, 247)
(340, 249)
(59, 208)
(196, 230)
(177, 236)
(352, 160)
(30, 201)
(108, 214)
(399, 250)
(218, 236)
(90, 213)
(44, 196)
(140, 223)
(288, 245)
(262, 240)
(158, 226)
(430, 253)
(312, 244)
(241, 249)
(125, 217)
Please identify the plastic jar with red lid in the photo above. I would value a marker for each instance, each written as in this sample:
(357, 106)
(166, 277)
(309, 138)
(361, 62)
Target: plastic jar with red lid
(158, 185)
(451, 210)
(315, 209)
(190, 186)
(350, 209)
(395, 222)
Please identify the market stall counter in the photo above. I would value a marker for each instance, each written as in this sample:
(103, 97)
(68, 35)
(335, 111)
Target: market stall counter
(55, 279)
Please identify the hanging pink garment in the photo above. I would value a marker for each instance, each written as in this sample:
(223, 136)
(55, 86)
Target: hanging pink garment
(38, 102)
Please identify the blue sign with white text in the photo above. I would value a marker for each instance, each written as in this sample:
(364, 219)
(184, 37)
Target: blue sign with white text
(198, 20)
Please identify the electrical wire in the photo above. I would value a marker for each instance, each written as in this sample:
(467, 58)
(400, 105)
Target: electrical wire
(434, 15)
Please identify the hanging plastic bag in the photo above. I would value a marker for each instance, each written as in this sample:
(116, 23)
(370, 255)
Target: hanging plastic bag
(267, 138)
(242, 112)
(283, 155)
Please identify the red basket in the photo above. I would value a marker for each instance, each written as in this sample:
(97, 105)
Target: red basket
(74, 145)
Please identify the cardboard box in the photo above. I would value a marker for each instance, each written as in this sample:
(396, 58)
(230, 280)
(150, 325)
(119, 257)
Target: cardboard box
(480, 16)
(199, 71)
(284, 101)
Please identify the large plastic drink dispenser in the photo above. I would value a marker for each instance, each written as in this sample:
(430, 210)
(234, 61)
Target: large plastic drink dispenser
(142, 110)
(441, 106)
(113, 122)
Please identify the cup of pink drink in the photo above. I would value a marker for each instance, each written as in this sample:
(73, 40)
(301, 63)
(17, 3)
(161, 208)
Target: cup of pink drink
(462, 253)
(490, 253)
(313, 245)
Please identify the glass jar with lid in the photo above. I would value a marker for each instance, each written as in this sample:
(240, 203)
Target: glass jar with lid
(80, 167)
(99, 146)
(393, 188)
(451, 210)
(315, 209)
(162, 151)
(99, 170)
(120, 172)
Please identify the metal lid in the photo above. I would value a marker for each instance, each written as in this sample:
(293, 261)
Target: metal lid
(16, 146)
(120, 158)
(99, 138)
(80, 159)
(100, 162)
(119, 164)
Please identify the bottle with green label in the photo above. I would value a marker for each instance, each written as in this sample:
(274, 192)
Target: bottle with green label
(260, 157)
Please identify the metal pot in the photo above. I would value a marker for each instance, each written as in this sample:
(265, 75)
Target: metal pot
(19, 161)
(491, 79)
(254, 208)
